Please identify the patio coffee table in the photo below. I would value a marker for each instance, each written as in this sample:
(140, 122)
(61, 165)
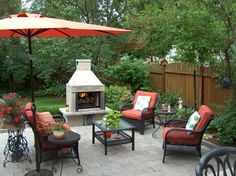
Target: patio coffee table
(118, 135)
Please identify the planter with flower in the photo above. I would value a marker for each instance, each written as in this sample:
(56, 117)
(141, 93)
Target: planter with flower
(11, 110)
(58, 130)
(111, 120)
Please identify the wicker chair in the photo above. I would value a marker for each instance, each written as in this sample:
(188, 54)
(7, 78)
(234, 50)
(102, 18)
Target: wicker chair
(175, 134)
(220, 161)
(46, 150)
(140, 118)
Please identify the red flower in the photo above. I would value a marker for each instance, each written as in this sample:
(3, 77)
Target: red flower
(17, 118)
(2, 113)
(19, 103)
(11, 110)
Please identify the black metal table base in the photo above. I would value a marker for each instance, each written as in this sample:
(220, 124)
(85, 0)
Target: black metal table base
(16, 149)
(71, 155)
(160, 120)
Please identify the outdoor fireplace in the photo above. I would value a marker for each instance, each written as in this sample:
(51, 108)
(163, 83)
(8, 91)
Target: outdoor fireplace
(84, 91)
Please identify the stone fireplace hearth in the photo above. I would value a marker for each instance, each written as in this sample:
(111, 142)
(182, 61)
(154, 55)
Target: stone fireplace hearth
(85, 95)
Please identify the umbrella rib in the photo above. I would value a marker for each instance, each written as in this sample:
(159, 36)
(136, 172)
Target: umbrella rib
(20, 32)
(62, 32)
(39, 31)
(105, 32)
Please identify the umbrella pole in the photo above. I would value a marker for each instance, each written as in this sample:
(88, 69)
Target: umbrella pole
(38, 171)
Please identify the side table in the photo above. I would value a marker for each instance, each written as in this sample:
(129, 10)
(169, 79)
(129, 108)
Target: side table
(16, 149)
(70, 140)
(159, 114)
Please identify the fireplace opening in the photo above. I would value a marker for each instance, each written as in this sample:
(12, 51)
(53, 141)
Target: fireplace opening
(86, 100)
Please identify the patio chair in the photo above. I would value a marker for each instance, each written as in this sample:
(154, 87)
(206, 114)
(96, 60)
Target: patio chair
(175, 134)
(219, 161)
(140, 112)
(46, 150)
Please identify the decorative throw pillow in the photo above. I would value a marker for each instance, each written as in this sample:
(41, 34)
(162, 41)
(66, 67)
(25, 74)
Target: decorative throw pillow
(142, 102)
(44, 121)
(192, 121)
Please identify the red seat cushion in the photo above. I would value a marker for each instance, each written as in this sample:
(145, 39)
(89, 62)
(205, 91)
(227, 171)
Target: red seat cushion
(179, 137)
(135, 114)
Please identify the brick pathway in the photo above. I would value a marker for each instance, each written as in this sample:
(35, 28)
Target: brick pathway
(146, 160)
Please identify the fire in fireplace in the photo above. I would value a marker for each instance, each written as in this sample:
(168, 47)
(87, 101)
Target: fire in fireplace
(86, 100)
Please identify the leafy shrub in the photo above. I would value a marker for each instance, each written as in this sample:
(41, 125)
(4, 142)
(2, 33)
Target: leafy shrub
(169, 98)
(184, 113)
(226, 124)
(133, 74)
(115, 96)
(57, 90)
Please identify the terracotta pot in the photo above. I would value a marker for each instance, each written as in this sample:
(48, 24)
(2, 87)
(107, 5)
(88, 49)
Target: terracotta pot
(107, 134)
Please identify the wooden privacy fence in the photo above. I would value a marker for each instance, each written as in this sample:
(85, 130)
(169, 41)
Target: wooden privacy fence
(179, 79)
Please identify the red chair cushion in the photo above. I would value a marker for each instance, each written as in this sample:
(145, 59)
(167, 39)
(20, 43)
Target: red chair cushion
(135, 114)
(179, 137)
(153, 96)
(205, 115)
(28, 112)
(44, 121)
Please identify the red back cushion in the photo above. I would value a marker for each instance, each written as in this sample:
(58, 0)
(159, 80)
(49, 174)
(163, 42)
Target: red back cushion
(153, 96)
(43, 121)
(28, 112)
(205, 115)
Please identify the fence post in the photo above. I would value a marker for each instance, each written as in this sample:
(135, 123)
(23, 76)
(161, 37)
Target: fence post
(194, 90)
(164, 63)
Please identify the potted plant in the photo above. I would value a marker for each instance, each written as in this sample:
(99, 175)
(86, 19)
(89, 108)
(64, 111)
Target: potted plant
(58, 130)
(111, 120)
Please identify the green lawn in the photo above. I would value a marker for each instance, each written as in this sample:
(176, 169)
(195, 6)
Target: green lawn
(51, 104)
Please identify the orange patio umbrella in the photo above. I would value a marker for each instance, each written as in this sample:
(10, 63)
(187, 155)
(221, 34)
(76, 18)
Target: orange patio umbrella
(36, 25)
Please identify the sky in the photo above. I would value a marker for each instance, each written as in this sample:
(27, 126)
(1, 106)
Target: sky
(26, 3)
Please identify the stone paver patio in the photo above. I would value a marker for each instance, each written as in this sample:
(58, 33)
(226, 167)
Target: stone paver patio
(146, 160)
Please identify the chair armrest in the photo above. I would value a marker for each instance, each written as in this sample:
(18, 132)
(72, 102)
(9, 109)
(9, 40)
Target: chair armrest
(145, 110)
(176, 123)
(126, 107)
(59, 118)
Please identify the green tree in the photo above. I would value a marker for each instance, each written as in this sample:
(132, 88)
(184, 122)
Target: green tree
(13, 63)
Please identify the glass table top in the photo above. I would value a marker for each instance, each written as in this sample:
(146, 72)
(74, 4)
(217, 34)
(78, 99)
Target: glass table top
(123, 125)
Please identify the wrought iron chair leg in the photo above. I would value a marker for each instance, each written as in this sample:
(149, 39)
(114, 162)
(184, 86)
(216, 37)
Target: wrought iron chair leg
(153, 122)
(142, 126)
(199, 150)
(164, 153)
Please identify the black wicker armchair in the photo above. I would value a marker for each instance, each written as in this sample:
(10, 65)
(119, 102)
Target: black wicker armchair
(175, 134)
(48, 151)
(140, 118)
